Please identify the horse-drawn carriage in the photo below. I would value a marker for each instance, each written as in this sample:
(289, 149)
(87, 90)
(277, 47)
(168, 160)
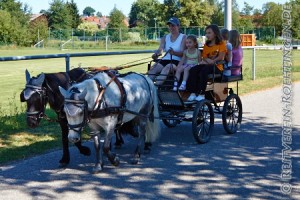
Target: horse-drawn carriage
(105, 101)
(219, 99)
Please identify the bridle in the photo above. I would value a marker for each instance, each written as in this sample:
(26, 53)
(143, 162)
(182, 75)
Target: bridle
(84, 106)
(43, 100)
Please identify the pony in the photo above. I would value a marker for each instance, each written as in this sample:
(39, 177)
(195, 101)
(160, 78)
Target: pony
(106, 102)
(42, 90)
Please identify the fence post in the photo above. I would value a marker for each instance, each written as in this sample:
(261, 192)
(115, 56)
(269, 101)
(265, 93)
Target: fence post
(106, 42)
(67, 58)
(253, 63)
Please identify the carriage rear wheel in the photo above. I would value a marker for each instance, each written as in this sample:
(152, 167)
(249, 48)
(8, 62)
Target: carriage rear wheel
(203, 121)
(232, 114)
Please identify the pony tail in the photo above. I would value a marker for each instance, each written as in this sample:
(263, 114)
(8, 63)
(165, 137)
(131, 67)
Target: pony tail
(153, 124)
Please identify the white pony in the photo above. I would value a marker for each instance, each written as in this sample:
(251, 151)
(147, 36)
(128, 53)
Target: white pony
(106, 101)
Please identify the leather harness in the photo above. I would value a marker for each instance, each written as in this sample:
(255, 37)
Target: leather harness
(99, 113)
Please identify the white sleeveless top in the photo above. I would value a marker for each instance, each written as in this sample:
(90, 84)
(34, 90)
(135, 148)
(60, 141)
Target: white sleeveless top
(176, 45)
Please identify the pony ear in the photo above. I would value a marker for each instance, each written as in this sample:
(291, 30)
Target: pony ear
(63, 92)
(27, 75)
(82, 95)
(40, 79)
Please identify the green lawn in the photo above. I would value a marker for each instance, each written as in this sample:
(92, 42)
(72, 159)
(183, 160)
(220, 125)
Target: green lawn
(17, 141)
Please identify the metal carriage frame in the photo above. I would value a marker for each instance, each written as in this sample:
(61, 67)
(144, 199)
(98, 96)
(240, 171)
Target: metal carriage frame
(219, 99)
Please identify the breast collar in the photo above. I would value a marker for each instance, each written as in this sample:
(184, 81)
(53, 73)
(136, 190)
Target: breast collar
(97, 112)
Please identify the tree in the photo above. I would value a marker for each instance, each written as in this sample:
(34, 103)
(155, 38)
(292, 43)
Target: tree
(59, 19)
(144, 12)
(89, 11)
(218, 15)
(257, 18)
(246, 19)
(75, 17)
(170, 8)
(295, 26)
(272, 16)
(89, 28)
(117, 26)
(14, 23)
(17, 10)
(194, 12)
(99, 14)
(247, 10)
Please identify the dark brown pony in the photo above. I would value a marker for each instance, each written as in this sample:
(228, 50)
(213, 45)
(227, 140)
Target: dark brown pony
(42, 90)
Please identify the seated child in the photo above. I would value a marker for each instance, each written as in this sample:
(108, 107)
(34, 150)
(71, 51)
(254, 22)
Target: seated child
(237, 52)
(191, 57)
(228, 55)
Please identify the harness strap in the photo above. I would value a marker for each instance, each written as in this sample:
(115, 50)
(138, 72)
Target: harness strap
(97, 113)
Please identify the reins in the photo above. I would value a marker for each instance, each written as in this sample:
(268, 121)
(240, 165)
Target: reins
(120, 67)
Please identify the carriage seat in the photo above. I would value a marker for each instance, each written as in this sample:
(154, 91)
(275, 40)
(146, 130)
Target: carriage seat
(235, 75)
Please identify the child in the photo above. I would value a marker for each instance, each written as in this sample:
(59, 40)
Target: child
(228, 56)
(214, 50)
(237, 52)
(191, 57)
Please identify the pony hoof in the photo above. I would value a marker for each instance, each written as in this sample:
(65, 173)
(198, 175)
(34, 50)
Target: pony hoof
(147, 150)
(116, 161)
(62, 165)
(97, 169)
(134, 161)
(85, 151)
(118, 146)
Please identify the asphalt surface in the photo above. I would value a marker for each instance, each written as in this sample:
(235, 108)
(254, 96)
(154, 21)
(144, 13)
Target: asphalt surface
(246, 165)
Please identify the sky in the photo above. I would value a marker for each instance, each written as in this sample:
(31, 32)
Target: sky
(105, 6)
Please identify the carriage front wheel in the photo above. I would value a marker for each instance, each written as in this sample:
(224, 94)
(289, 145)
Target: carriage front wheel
(232, 113)
(203, 121)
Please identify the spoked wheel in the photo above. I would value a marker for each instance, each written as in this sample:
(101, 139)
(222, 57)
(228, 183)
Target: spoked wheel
(203, 121)
(171, 123)
(232, 113)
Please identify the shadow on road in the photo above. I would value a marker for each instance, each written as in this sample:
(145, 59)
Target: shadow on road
(240, 166)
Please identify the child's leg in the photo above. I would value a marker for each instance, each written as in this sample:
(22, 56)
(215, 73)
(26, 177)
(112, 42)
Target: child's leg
(186, 73)
(179, 70)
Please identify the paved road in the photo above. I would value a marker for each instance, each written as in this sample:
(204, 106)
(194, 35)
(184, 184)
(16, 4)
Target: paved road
(246, 165)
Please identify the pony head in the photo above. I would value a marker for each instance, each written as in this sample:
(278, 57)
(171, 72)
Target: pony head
(35, 97)
(75, 107)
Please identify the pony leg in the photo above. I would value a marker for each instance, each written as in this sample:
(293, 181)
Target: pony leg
(64, 161)
(114, 160)
(119, 140)
(98, 144)
(141, 142)
(147, 147)
(83, 149)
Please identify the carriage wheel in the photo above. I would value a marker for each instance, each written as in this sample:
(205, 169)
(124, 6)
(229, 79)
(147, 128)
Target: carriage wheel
(203, 121)
(171, 123)
(232, 113)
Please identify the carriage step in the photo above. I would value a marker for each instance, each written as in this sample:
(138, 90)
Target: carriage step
(170, 99)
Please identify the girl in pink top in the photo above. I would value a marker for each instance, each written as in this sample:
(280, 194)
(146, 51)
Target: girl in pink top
(237, 52)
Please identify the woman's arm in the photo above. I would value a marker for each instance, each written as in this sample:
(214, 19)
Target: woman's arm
(161, 47)
(182, 60)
